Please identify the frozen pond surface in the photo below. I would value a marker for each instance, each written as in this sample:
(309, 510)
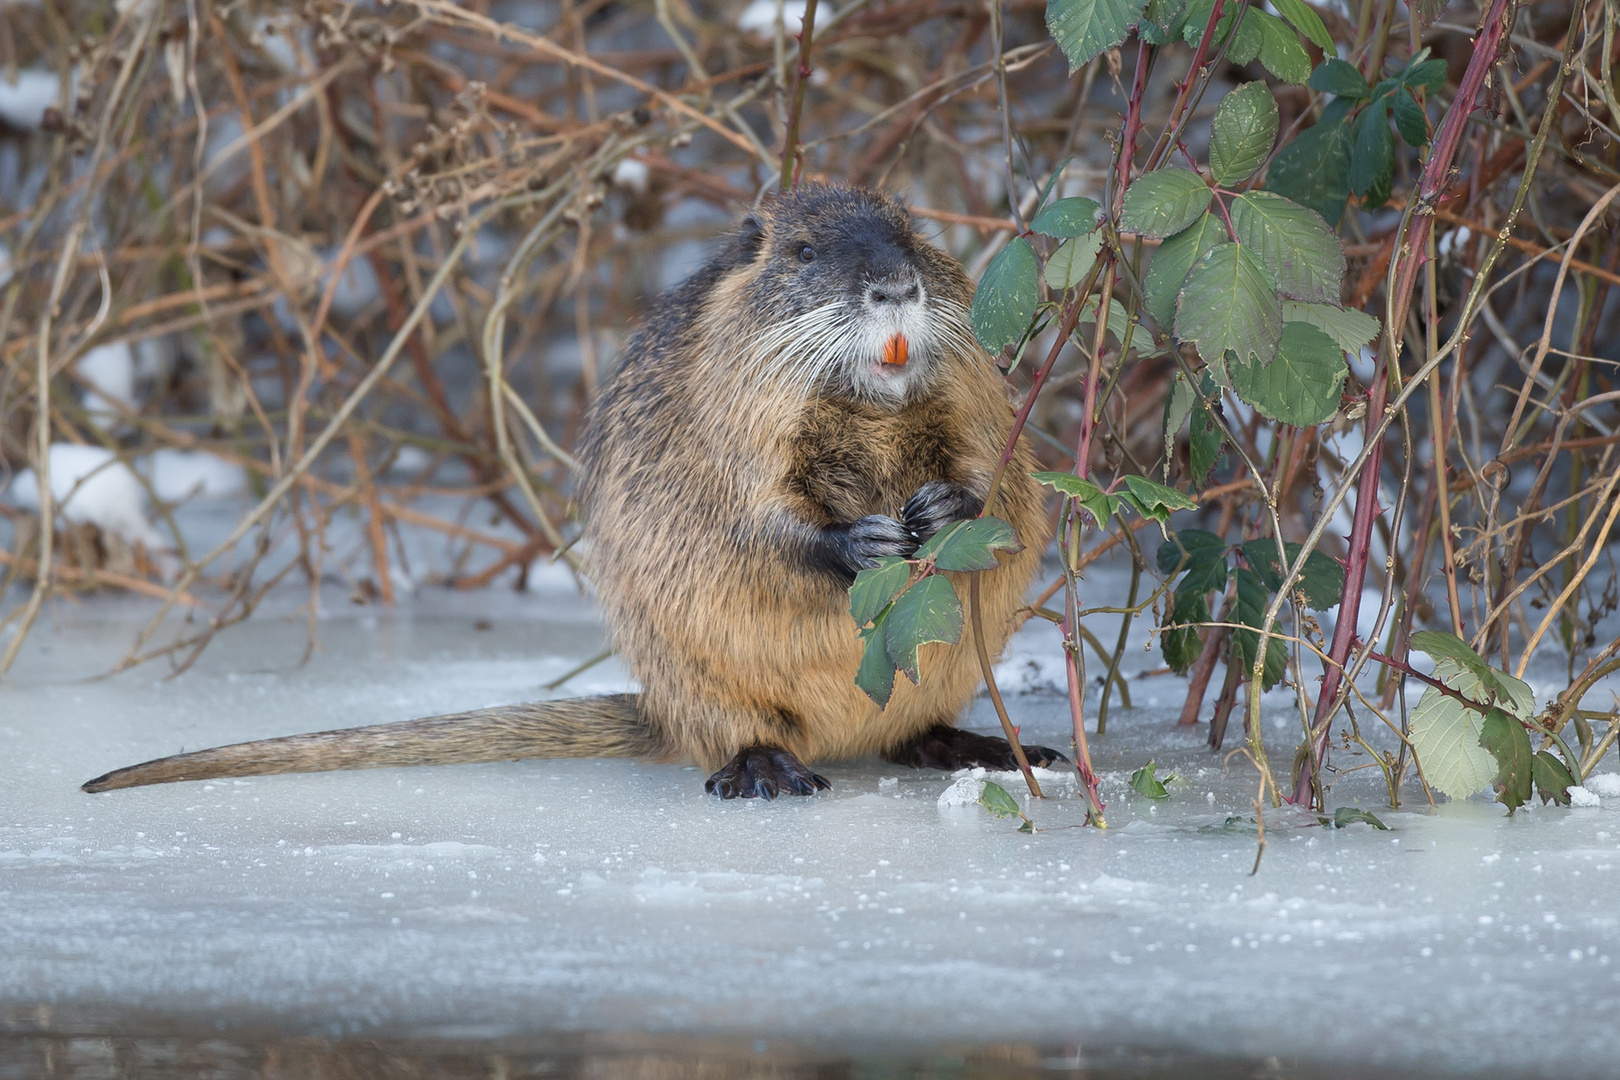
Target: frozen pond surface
(528, 898)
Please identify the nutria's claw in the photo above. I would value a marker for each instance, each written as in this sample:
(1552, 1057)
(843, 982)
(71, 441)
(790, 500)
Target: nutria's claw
(873, 537)
(947, 747)
(764, 772)
(935, 505)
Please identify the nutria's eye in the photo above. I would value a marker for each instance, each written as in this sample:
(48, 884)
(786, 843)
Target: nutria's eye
(807, 254)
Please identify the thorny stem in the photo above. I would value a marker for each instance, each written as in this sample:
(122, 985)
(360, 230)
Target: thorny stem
(790, 141)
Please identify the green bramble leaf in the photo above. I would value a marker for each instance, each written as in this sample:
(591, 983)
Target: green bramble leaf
(1313, 169)
(964, 546)
(1072, 261)
(1280, 50)
(1252, 599)
(1178, 640)
(1301, 385)
(1228, 304)
(1006, 298)
(1158, 20)
(996, 799)
(1505, 739)
(1085, 29)
(1299, 253)
(1145, 783)
(1246, 38)
(875, 675)
(1430, 74)
(1155, 499)
(1440, 645)
(1410, 119)
(1204, 436)
(1345, 816)
(876, 586)
(928, 611)
(1445, 732)
(1307, 22)
(1066, 218)
(1164, 201)
(1322, 580)
(1244, 131)
(1553, 779)
(1342, 79)
(1171, 263)
(1101, 505)
(1372, 161)
(1200, 555)
(1351, 330)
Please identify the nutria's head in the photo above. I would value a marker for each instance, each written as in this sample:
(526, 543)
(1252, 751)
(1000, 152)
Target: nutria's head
(843, 296)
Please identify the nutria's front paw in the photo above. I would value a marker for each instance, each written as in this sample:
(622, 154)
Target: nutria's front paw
(764, 772)
(874, 537)
(935, 505)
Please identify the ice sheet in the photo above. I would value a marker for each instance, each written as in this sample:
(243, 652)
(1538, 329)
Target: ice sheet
(616, 896)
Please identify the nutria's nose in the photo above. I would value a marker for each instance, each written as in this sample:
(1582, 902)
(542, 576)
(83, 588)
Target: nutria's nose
(894, 291)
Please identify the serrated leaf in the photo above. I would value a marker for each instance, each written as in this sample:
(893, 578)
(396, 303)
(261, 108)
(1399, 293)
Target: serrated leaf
(1006, 298)
(1410, 120)
(1178, 406)
(1158, 20)
(1155, 498)
(1440, 645)
(1198, 552)
(1229, 305)
(1145, 783)
(1244, 131)
(1084, 29)
(1246, 38)
(928, 611)
(1175, 257)
(1179, 643)
(964, 546)
(1553, 779)
(1354, 815)
(1066, 218)
(1313, 169)
(1322, 580)
(1445, 736)
(1072, 261)
(1307, 22)
(1194, 17)
(1351, 330)
(1430, 74)
(995, 799)
(1504, 737)
(1252, 599)
(1164, 202)
(1372, 160)
(1101, 505)
(876, 586)
(1300, 254)
(875, 675)
(1342, 79)
(1429, 10)
(1280, 50)
(1204, 436)
(1301, 385)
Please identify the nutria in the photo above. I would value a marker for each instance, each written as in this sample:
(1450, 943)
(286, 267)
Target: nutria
(811, 399)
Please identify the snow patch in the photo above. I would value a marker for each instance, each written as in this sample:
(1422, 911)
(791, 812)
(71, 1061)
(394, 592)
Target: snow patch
(1606, 785)
(177, 475)
(91, 485)
(108, 372)
(1580, 796)
(759, 17)
(23, 101)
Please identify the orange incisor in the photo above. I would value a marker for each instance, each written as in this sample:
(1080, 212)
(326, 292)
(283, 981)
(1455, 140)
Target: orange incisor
(894, 350)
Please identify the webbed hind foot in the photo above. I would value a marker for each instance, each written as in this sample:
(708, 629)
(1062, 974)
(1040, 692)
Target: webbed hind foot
(945, 747)
(764, 772)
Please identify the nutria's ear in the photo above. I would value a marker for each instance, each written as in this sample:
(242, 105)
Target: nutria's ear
(750, 236)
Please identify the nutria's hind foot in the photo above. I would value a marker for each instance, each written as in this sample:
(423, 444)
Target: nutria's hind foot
(764, 772)
(945, 747)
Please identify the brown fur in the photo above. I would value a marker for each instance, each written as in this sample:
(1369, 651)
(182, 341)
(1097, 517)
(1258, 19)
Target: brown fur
(705, 474)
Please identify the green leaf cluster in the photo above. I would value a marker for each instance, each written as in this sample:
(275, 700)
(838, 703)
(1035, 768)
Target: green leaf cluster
(901, 605)
(1251, 278)
(1144, 782)
(1200, 558)
(1248, 34)
(1466, 746)
(1350, 150)
(1195, 410)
